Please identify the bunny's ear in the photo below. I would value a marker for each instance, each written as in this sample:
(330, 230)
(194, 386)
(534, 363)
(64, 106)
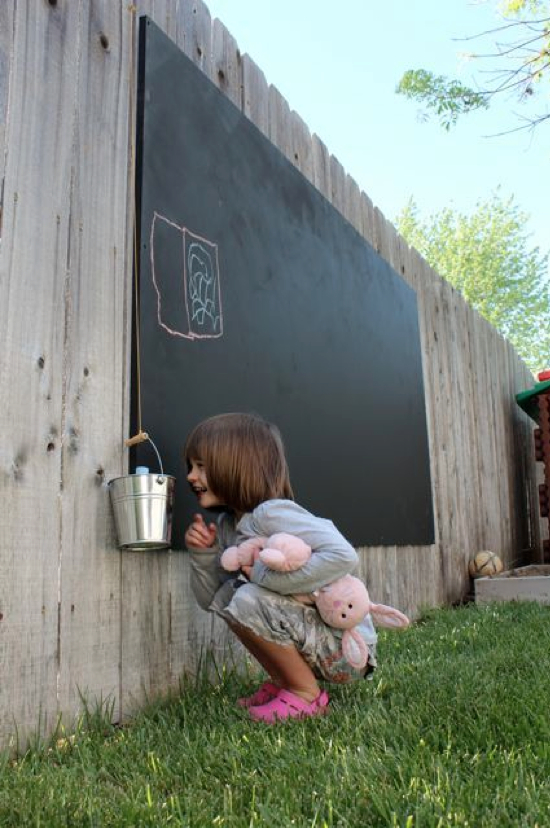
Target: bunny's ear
(388, 616)
(355, 650)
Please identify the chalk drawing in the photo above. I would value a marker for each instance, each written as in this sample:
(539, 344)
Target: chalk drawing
(199, 316)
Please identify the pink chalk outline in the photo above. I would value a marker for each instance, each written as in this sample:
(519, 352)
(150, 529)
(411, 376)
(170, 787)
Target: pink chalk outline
(201, 283)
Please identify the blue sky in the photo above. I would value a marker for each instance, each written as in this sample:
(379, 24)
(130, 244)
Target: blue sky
(338, 64)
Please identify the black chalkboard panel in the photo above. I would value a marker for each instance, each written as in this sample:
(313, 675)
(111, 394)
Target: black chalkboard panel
(256, 295)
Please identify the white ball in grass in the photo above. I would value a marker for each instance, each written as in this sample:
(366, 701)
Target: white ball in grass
(485, 563)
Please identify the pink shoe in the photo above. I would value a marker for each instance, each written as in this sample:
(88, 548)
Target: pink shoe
(287, 705)
(262, 695)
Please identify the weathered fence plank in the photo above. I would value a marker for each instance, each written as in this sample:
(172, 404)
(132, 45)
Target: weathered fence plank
(33, 323)
(97, 306)
(457, 552)
(255, 94)
(337, 184)
(367, 219)
(489, 464)
(279, 121)
(226, 63)
(301, 153)
(194, 33)
(353, 213)
(321, 166)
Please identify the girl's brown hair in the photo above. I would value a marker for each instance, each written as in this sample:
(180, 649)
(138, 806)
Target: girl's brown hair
(244, 457)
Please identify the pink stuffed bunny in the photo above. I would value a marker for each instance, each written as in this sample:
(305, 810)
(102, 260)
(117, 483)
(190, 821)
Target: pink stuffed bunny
(281, 552)
(343, 604)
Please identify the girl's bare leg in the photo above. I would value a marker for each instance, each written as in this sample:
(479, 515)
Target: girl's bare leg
(283, 663)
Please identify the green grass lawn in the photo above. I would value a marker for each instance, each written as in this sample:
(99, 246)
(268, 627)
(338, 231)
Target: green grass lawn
(453, 730)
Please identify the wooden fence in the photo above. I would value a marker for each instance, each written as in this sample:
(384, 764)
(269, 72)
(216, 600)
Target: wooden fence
(77, 617)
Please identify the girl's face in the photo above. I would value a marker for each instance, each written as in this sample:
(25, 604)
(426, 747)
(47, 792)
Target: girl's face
(199, 484)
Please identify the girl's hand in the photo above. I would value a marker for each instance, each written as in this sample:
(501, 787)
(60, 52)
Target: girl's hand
(247, 570)
(199, 535)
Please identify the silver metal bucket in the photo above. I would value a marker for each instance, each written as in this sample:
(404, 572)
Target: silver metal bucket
(142, 506)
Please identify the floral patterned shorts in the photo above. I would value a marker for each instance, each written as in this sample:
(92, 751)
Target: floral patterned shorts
(282, 619)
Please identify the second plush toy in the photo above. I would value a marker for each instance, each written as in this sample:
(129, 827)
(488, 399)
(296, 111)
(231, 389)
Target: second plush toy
(281, 552)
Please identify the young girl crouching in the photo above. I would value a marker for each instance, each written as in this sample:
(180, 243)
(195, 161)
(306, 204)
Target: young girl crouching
(237, 464)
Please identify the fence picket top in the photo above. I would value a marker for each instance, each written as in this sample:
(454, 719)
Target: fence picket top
(226, 63)
(321, 166)
(301, 153)
(255, 94)
(367, 218)
(353, 211)
(337, 184)
(194, 33)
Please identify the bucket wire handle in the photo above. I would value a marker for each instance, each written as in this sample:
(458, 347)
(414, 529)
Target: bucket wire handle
(142, 437)
(160, 478)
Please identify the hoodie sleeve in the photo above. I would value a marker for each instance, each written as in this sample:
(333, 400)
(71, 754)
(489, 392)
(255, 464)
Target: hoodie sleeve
(207, 574)
(332, 555)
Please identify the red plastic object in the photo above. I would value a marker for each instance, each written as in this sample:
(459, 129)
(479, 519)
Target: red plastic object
(543, 376)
